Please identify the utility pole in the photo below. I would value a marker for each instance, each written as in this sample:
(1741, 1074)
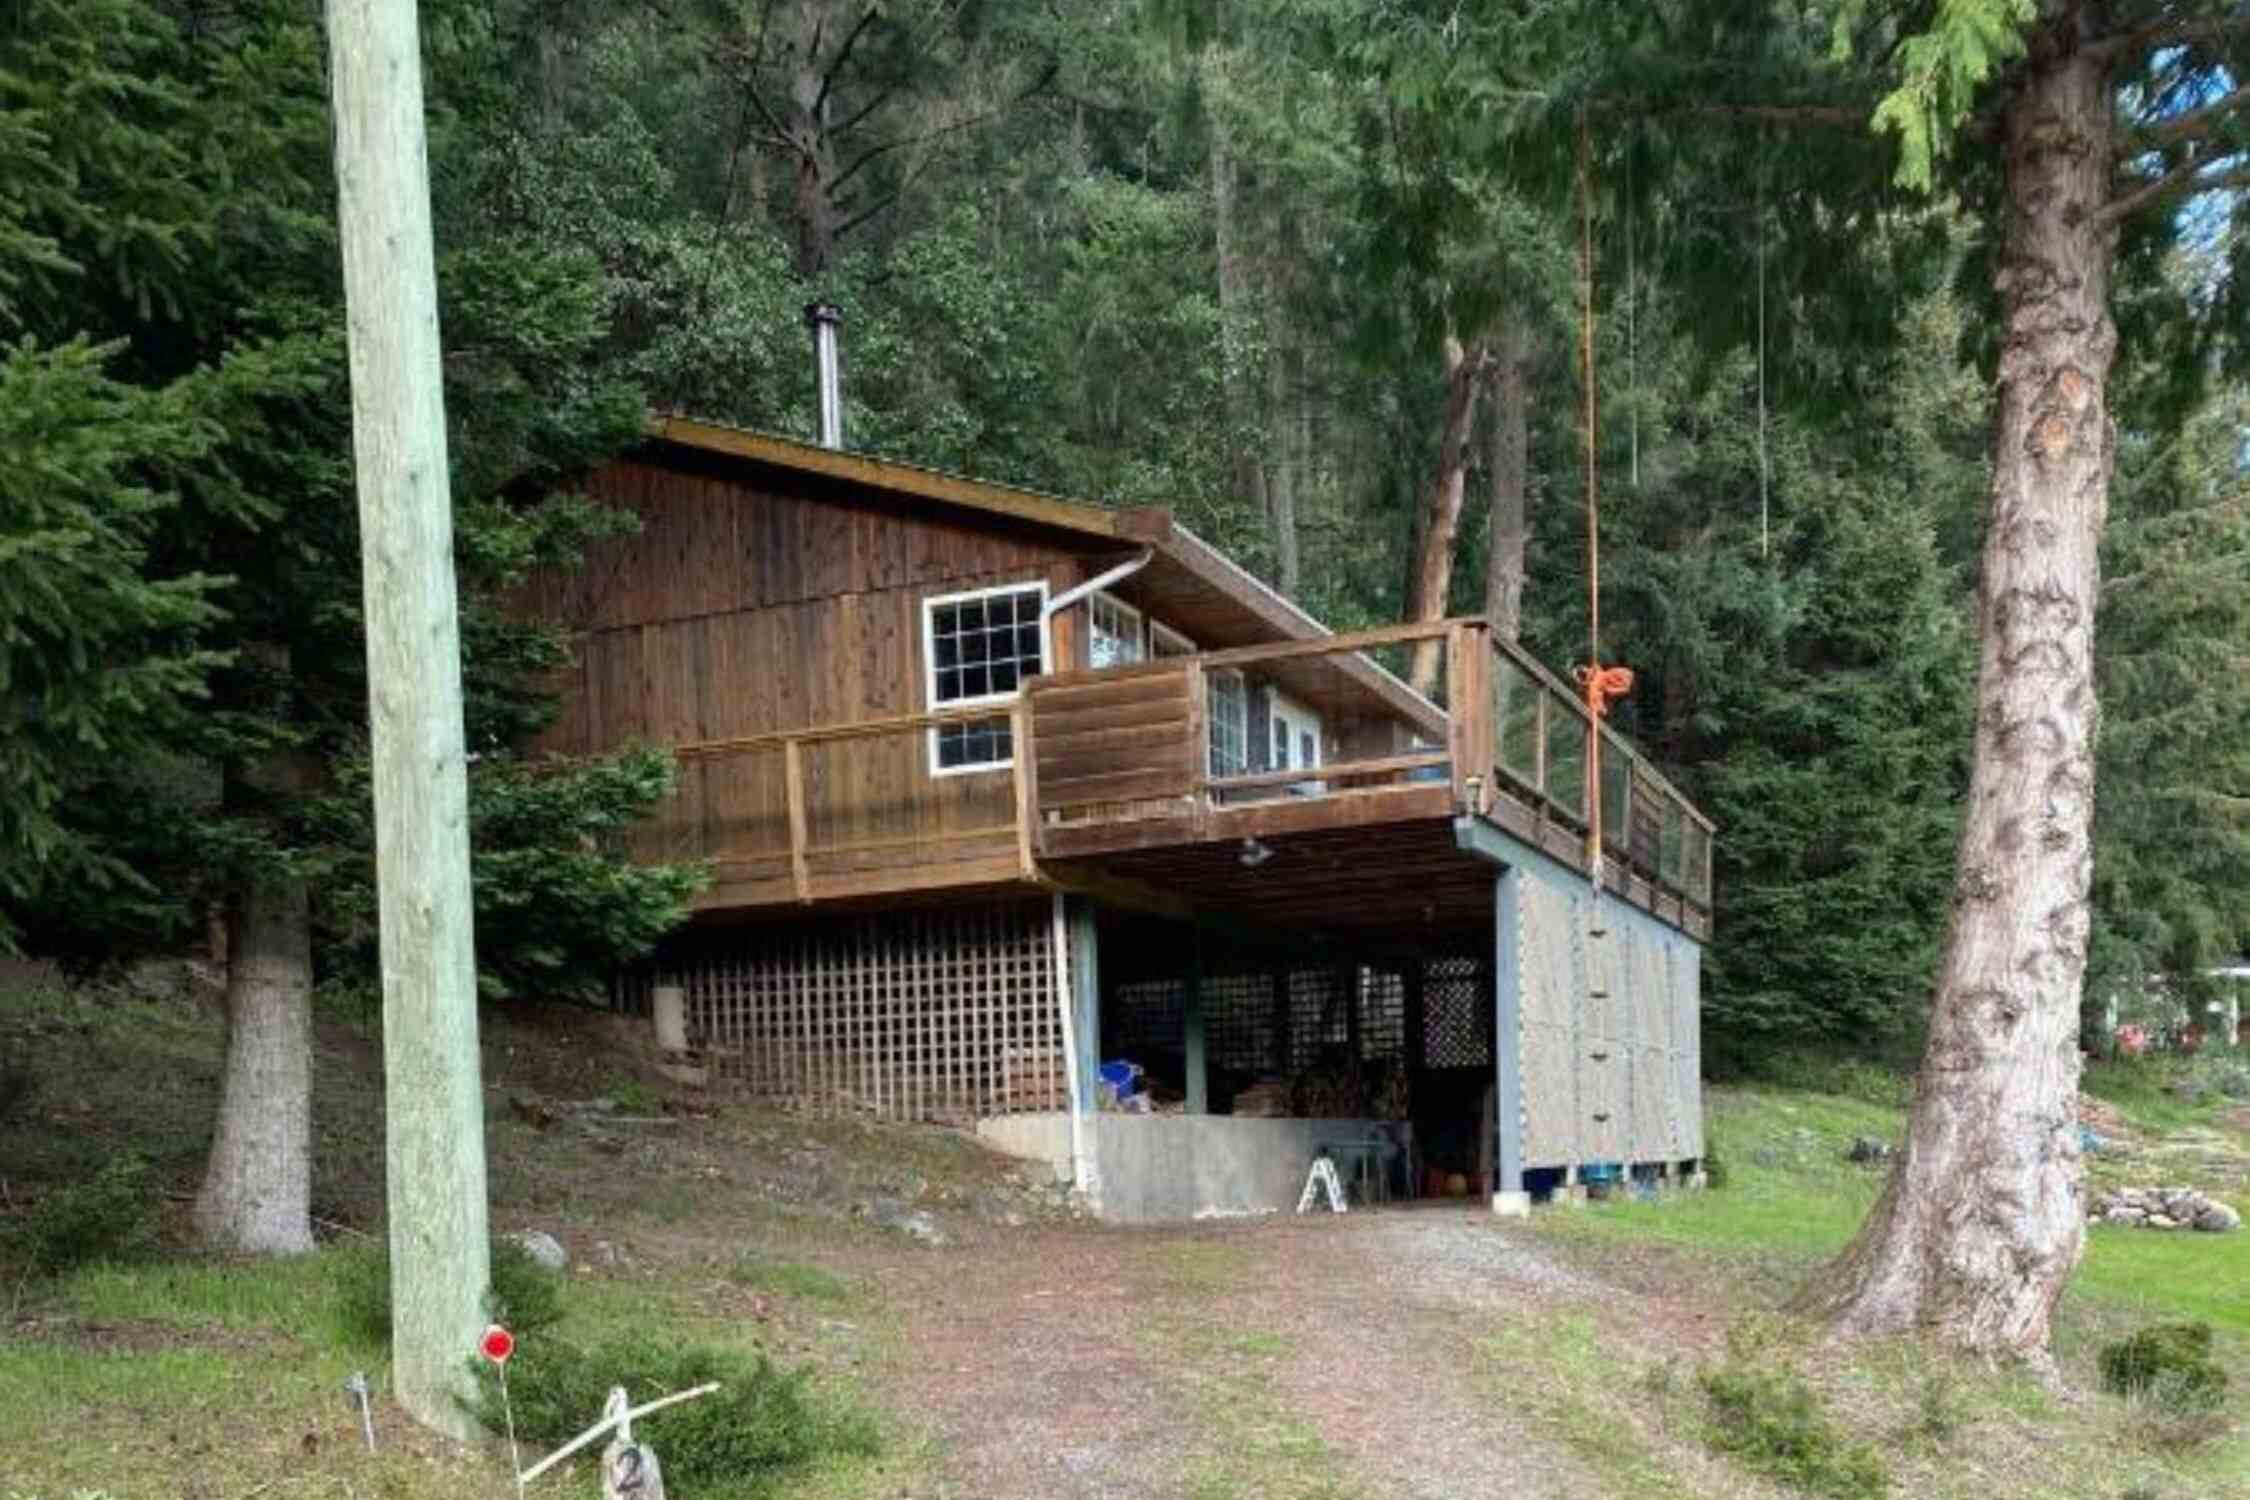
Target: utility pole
(434, 1158)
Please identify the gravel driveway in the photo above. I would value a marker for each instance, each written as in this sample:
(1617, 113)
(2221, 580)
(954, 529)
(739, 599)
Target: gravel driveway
(1282, 1357)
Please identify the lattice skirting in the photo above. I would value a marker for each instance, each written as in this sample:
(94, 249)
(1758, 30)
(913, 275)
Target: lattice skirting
(945, 1014)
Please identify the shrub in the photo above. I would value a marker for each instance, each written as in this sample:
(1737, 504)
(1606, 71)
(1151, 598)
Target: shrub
(761, 1424)
(1772, 1421)
(2168, 1361)
(1937, 1410)
(106, 1217)
(526, 1296)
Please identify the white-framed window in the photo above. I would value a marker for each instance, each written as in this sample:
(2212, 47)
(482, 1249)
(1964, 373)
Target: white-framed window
(1164, 641)
(978, 647)
(1115, 638)
(1296, 732)
(1227, 703)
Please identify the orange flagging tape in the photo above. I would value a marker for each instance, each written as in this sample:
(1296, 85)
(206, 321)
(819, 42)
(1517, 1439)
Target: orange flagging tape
(1602, 684)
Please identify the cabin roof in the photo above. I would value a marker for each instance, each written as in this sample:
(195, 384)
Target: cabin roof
(1205, 587)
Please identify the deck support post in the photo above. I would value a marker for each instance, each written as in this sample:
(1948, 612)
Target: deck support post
(1191, 1020)
(1508, 1195)
(1084, 945)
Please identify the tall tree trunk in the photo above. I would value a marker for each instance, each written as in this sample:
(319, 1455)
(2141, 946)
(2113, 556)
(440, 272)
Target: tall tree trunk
(1429, 584)
(1281, 486)
(813, 205)
(1982, 1221)
(257, 1186)
(1508, 458)
(1237, 391)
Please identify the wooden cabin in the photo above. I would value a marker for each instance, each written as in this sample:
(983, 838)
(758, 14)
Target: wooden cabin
(998, 788)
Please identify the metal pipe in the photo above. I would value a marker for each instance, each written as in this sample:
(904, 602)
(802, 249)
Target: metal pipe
(823, 318)
(1118, 574)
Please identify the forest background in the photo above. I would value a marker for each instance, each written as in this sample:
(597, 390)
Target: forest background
(1310, 274)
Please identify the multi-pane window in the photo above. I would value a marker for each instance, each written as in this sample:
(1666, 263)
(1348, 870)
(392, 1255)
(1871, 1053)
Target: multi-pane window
(1164, 641)
(981, 648)
(1228, 703)
(1115, 639)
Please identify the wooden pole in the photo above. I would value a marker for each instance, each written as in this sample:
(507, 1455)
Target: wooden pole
(440, 1256)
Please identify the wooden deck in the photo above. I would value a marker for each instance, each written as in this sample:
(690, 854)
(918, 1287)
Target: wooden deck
(1111, 791)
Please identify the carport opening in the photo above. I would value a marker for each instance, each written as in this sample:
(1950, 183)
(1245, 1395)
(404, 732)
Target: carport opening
(1393, 1040)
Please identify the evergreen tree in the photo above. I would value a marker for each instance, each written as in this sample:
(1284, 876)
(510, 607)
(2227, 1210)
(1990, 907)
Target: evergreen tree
(2096, 120)
(224, 383)
(2172, 826)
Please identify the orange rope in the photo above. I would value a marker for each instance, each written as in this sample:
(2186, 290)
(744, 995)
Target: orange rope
(1602, 684)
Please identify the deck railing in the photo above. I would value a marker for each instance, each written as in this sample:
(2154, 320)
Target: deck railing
(847, 809)
(855, 807)
(1539, 735)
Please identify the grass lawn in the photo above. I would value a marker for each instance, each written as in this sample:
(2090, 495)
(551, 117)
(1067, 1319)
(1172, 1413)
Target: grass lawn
(1791, 1200)
(175, 1376)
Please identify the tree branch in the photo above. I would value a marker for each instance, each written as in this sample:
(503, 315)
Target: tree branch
(2180, 180)
(884, 148)
(852, 120)
(1785, 114)
(843, 54)
(2189, 124)
(2167, 34)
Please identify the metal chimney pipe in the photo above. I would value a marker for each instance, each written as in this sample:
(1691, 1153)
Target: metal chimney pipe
(822, 318)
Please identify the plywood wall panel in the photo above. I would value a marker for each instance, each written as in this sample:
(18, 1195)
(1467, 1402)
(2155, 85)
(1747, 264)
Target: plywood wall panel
(1552, 1013)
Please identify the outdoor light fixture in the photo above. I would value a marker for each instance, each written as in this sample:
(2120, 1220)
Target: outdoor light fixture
(1254, 853)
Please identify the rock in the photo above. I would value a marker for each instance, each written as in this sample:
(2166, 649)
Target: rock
(543, 1248)
(915, 1224)
(2217, 1218)
(2161, 1221)
(2122, 1215)
(1868, 1151)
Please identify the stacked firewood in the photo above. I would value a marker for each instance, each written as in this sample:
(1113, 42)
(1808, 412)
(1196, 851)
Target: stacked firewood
(1267, 1099)
(1030, 1080)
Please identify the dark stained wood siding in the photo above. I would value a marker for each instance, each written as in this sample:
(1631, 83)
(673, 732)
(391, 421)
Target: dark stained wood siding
(756, 605)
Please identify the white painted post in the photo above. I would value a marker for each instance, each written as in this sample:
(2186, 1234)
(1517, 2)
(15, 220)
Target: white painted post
(670, 1007)
(1508, 1196)
(440, 1266)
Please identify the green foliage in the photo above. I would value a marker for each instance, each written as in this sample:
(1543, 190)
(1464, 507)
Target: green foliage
(177, 526)
(1941, 69)
(1771, 1421)
(558, 903)
(1809, 678)
(741, 1442)
(99, 659)
(2172, 845)
(2170, 1362)
(109, 1216)
(526, 1297)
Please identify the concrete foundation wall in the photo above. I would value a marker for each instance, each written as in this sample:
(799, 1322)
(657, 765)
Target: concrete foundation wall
(1035, 1137)
(1169, 1167)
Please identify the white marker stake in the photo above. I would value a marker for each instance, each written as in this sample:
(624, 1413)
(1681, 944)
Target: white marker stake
(496, 1345)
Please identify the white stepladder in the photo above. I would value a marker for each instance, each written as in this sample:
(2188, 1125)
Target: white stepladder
(1322, 1178)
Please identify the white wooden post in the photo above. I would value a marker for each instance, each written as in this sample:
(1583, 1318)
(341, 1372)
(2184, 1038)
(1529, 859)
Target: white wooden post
(670, 1007)
(440, 1256)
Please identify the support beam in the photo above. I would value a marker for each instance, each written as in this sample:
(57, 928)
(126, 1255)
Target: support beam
(1191, 1023)
(1086, 1027)
(434, 1099)
(1508, 1196)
